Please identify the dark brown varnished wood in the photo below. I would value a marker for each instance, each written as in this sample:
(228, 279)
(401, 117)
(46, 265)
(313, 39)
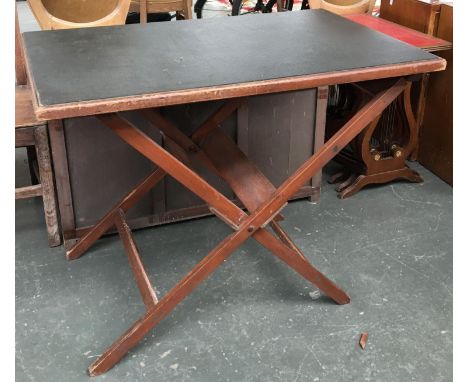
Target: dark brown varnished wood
(141, 277)
(220, 154)
(284, 237)
(365, 163)
(435, 151)
(421, 15)
(248, 226)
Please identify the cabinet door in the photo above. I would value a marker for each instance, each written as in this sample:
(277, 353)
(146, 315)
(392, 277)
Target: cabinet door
(277, 131)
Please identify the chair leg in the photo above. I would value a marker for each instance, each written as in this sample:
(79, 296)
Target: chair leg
(47, 182)
(143, 12)
(32, 158)
(188, 10)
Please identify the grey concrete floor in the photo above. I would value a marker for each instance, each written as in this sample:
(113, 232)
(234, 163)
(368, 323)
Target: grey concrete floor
(254, 319)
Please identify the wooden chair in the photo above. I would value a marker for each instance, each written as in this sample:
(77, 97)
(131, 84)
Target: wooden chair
(32, 134)
(66, 14)
(343, 7)
(183, 8)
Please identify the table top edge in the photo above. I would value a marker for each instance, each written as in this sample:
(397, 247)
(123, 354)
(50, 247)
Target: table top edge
(170, 98)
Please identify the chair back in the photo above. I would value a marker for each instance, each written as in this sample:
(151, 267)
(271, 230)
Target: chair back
(65, 14)
(20, 65)
(182, 7)
(343, 7)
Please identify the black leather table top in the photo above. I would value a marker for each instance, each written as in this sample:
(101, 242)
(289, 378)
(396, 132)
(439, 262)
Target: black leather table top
(69, 66)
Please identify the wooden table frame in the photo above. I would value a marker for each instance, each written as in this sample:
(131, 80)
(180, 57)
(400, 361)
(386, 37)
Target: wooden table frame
(210, 147)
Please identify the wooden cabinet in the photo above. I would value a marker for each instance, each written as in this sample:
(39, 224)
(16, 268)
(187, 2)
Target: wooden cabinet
(436, 133)
(435, 115)
(278, 132)
(421, 15)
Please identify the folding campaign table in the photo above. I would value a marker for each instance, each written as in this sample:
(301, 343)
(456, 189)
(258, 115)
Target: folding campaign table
(104, 71)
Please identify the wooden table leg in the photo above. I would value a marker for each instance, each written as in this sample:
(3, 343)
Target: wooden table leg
(302, 266)
(232, 165)
(250, 186)
(154, 315)
(421, 108)
(284, 237)
(143, 11)
(248, 225)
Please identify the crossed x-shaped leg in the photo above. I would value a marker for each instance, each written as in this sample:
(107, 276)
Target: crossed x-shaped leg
(213, 149)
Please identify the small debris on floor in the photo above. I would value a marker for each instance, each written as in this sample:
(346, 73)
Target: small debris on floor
(315, 295)
(363, 340)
